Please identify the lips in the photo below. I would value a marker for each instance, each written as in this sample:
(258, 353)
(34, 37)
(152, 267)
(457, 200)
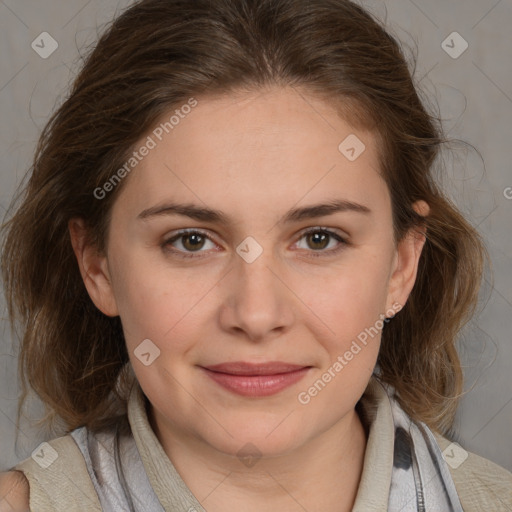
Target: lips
(255, 379)
(243, 368)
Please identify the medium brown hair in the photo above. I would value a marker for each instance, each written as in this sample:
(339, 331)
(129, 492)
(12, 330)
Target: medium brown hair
(154, 57)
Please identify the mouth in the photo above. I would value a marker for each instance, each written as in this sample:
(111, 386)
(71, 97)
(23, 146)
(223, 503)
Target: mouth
(256, 379)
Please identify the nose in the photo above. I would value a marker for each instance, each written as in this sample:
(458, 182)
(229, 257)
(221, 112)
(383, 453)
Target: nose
(259, 302)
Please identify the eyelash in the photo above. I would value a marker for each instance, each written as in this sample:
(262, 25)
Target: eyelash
(166, 245)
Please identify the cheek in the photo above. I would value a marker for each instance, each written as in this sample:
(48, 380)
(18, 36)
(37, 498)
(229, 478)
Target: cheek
(350, 306)
(353, 296)
(167, 306)
(150, 300)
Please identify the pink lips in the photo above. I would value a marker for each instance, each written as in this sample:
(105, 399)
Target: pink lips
(251, 379)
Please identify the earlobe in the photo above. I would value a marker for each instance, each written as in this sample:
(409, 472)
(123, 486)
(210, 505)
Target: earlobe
(407, 260)
(93, 268)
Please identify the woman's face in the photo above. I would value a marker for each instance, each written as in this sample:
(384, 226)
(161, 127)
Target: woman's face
(248, 176)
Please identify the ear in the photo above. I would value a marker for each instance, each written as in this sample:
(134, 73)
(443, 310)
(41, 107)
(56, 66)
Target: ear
(406, 261)
(93, 268)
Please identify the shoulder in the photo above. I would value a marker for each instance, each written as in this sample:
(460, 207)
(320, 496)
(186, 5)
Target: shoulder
(58, 477)
(480, 483)
(14, 489)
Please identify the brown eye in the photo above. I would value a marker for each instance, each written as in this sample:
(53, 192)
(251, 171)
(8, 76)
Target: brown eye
(321, 242)
(186, 243)
(193, 241)
(318, 240)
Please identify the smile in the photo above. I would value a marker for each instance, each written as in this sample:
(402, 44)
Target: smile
(256, 380)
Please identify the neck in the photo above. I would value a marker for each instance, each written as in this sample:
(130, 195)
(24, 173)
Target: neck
(322, 474)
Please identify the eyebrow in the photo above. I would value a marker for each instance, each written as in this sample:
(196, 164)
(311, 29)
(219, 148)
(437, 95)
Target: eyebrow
(205, 214)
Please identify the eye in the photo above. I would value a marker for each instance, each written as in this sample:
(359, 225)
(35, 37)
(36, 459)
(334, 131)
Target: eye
(318, 241)
(187, 241)
(190, 243)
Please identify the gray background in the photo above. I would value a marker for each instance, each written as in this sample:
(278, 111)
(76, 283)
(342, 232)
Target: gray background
(474, 93)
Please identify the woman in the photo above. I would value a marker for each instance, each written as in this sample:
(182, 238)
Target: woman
(243, 287)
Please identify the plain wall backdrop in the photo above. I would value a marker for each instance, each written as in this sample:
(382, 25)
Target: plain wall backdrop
(473, 89)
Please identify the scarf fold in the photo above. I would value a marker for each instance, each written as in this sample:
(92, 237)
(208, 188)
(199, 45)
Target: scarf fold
(420, 479)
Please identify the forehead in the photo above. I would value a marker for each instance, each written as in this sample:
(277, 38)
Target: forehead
(256, 148)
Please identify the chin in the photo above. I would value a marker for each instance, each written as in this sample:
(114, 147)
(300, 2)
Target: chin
(257, 438)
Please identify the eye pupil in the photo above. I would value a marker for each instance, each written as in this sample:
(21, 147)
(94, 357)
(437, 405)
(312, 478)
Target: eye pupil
(319, 237)
(196, 239)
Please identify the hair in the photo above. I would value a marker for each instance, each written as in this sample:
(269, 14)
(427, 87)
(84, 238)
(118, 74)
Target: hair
(156, 56)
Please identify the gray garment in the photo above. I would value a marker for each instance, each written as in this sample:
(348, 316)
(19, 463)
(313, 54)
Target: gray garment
(117, 472)
(420, 481)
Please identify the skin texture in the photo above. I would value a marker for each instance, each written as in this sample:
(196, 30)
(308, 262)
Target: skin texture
(255, 155)
(14, 492)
